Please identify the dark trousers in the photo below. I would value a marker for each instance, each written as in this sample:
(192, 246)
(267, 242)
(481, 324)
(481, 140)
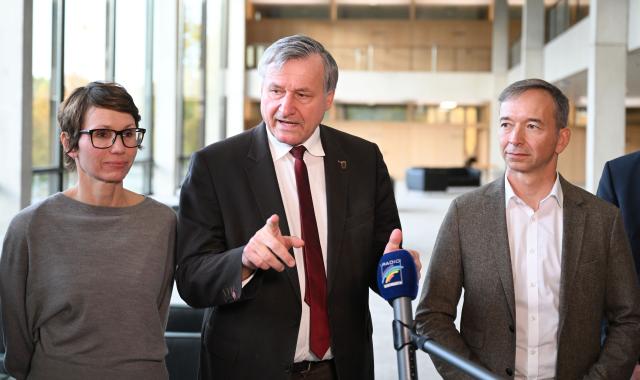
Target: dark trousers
(325, 370)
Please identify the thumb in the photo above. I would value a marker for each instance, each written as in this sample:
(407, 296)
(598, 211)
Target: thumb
(394, 241)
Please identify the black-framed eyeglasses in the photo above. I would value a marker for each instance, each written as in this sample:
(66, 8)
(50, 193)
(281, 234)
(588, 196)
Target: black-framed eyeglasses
(104, 138)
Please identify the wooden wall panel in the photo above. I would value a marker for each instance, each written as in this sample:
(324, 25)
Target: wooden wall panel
(391, 59)
(421, 59)
(397, 45)
(632, 138)
(404, 145)
(571, 162)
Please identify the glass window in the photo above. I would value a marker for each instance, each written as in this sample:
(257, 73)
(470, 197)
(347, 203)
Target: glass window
(192, 53)
(295, 11)
(44, 151)
(434, 114)
(382, 12)
(56, 73)
(375, 113)
(444, 12)
(84, 42)
(131, 72)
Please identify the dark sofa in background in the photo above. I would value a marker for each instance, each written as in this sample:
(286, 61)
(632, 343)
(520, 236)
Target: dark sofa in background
(439, 179)
(183, 341)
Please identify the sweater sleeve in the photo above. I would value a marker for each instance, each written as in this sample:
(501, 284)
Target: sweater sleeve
(14, 268)
(167, 284)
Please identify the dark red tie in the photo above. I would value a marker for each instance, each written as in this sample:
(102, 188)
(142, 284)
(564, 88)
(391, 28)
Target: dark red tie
(315, 293)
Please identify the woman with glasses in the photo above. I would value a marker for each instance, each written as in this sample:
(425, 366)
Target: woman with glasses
(86, 275)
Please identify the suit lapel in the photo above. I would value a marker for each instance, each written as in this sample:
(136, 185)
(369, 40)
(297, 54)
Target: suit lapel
(496, 225)
(573, 226)
(336, 172)
(261, 175)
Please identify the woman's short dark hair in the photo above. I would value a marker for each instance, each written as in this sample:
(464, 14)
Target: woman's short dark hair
(72, 111)
(559, 99)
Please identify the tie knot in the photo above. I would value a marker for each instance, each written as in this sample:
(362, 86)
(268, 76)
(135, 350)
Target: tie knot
(298, 151)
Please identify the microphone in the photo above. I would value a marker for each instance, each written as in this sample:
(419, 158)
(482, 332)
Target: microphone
(398, 283)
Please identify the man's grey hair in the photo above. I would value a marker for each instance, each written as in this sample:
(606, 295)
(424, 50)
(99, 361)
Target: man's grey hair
(562, 103)
(299, 47)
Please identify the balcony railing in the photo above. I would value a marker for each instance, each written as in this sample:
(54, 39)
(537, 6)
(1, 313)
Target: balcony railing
(372, 57)
(563, 15)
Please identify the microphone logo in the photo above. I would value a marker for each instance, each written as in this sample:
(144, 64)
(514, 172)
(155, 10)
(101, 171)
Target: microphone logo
(391, 271)
(397, 275)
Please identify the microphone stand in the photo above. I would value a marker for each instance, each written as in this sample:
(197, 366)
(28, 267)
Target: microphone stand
(402, 340)
(427, 345)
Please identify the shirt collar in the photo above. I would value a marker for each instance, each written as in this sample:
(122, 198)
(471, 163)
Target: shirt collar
(280, 149)
(556, 192)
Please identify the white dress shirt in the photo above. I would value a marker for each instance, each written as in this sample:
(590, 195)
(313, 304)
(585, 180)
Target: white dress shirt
(535, 242)
(285, 173)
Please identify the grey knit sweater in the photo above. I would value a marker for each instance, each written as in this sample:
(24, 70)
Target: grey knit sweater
(85, 290)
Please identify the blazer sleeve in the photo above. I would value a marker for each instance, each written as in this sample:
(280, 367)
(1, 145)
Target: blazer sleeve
(14, 268)
(441, 292)
(622, 302)
(386, 215)
(606, 189)
(208, 272)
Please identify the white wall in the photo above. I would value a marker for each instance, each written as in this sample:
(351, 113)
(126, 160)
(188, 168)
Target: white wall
(634, 25)
(568, 53)
(515, 74)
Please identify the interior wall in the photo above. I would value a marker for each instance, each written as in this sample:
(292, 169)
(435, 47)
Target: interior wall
(394, 45)
(406, 144)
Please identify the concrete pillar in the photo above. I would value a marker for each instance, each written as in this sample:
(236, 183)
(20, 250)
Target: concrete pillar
(499, 68)
(235, 73)
(532, 39)
(165, 80)
(606, 85)
(15, 108)
(634, 25)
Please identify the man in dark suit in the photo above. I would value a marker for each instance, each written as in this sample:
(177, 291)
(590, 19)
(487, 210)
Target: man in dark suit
(541, 261)
(620, 185)
(274, 315)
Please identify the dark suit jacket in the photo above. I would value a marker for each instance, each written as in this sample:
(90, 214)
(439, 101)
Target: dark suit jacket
(597, 279)
(620, 185)
(230, 191)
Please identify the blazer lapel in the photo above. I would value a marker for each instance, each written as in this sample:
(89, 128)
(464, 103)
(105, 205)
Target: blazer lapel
(336, 173)
(573, 226)
(496, 223)
(261, 175)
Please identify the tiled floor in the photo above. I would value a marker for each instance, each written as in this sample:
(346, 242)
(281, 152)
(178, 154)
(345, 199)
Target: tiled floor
(421, 214)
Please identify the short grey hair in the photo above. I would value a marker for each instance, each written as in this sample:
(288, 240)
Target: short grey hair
(299, 47)
(560, 100)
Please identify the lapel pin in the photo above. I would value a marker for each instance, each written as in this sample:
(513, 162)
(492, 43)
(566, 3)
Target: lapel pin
(343, 164)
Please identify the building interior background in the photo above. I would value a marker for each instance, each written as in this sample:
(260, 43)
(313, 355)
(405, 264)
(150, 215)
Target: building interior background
(418, 77)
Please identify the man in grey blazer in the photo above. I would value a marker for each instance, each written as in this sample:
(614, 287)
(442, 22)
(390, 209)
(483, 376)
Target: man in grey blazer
(541, 261)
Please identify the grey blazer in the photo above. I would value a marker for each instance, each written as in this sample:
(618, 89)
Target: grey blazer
(597, 281)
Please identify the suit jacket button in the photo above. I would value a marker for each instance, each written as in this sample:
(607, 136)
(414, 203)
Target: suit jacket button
(511, 328)
(509, 371)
